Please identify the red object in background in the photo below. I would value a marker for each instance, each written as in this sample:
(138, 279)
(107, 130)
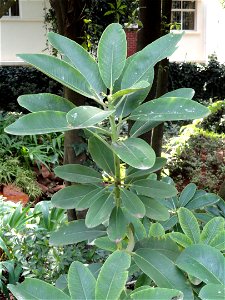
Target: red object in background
(131, 34)
(14, 194)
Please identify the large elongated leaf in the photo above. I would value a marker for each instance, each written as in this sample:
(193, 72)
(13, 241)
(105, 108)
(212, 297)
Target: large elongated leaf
(81, 282)
(34, 289)
(117, 225)
(61, 72)
(154, 189)
(156, 294)
(212, 292)
(181, 239)
(133, 173)
(99, 210)
(113, 276)
(187, 194)
(81, 60)
(86, 116)
(139, 229)
(154, 209)
(45, 101)
(141, 127)
(132, 203)
(203, 262)
(101, 154)
(219, 241)
(135, 152)
(39, 123)
(203, 200)
(139, 86)
(73, 196)
(169, 109)
(141, 65)
(112, 51)
(164, 245)
(212, 229)
(78, 173)
(162, 271)
(189, 224)
(75, 232)
(183, 92)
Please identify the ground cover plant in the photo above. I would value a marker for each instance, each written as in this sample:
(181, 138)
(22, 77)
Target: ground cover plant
(126, 210)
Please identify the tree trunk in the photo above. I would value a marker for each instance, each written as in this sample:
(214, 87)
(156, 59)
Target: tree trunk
(162, 79)
(150, 16)
(5, 6)
(69, 23)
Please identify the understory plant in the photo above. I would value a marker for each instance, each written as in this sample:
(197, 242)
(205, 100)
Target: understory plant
(124, 197)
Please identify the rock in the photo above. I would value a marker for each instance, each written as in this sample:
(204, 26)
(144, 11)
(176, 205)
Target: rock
(14, 194)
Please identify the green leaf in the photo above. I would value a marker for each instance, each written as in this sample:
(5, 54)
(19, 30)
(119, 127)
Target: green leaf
(154, 189)
(112, 51)
(212, 229)
(142, 64)
(78, 173)
(154, 209)
(182, 92)
(139, 86)
(105, 244)
(170, 223)
(86, 116)
(203, 262)
(181, 239)
(113, 276)
(45, 101)
(164, 245)
(81, 60)
(133, 173)
(60, 71)
(212, 292)
(156, 294)
(101, 155)
(219, 241)
(81, 282)
(75, 232)
(135, 152)
(117, 225)
(139, 229)
(100, 210)
(187, 194)
(141, 127)
(39, 123)
(203, 201)
(72, 196)
(189, 224)
(156, 230)
(132, 203)
(169, 109)
(162, 271)
(33, 289)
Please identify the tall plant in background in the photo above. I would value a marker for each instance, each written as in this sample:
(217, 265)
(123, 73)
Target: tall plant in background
(117, 199)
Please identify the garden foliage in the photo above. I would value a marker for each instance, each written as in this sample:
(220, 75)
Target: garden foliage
(126, 212)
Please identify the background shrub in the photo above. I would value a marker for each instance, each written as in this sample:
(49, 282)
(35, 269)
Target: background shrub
(19, 80)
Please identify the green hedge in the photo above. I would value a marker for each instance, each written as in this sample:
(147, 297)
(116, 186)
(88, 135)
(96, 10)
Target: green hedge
(19, 80)
(208, 80)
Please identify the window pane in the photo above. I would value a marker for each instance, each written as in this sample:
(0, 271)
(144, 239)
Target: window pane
(188, 5)
(15, 9)
(188, 20)
(176, 17)
(176, 5)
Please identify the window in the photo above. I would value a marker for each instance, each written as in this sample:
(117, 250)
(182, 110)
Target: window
(184, 14)
(14, 10)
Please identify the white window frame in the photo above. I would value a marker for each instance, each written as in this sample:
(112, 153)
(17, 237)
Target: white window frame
(182, 10)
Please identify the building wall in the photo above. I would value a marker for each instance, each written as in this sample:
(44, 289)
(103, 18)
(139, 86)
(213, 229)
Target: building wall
(23, 34)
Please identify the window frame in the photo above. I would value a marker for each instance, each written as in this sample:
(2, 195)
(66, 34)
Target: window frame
(182, 10)
(10, 11)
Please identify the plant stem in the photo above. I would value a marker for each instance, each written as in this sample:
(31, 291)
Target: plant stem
(114, 138)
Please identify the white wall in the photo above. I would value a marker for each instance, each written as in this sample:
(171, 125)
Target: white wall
(23, 34)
